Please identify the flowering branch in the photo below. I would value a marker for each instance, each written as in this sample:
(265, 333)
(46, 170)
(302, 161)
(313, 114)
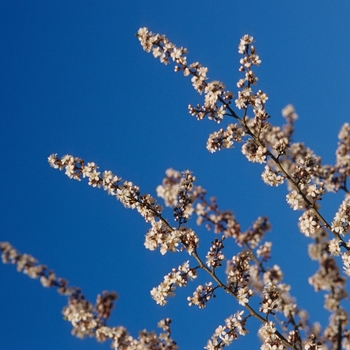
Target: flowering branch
(286, 160)
(170, 238)
(88, 319)
(247, 274)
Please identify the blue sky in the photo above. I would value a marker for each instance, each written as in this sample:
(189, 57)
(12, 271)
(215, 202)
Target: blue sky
(75, 80)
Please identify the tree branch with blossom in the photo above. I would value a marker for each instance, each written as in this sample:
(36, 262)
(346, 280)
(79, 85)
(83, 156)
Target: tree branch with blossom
(248, 275)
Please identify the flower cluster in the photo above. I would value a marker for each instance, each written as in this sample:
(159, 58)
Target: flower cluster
(272, 178)
(225, 335)
(161, 233)
(255, 234)
(341, 220)
(343, 150)
(264, 251)
(29, 265)
(281, 146)
(328, 278)
(161, 47)
(169, 188)
(127, 193)
(238, 273)
(309, 223)
(346, 262)
(295, 200)
(176, 278)
(270, 299)
(304, 169)
(202, 295)
(215, 255)
(270, 339)
(178, 191)
(254, 153)
(185, 198)
(169, 239)
(224, 138)
(246, 96)
(215, 100)
(273, 275)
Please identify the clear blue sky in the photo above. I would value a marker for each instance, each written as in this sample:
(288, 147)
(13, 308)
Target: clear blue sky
(75, 80)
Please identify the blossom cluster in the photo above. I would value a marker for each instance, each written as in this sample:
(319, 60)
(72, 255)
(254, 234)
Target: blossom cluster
(341, 222)
(185, 198)
(215, 100)
(215, 255)
(202, 295)
(224, 138)
(269, 338)
(161, 233)
(225, 335)
(255, 234)
(29, 265)
(272, 178)
(176, 278)
(237, 271)
(343, 150)
(309, 223)
(270, 299)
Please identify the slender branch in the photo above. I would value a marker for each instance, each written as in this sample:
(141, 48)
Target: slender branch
(229, 291)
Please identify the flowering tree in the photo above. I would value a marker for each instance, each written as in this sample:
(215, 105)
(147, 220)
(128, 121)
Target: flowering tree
(247, 277)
